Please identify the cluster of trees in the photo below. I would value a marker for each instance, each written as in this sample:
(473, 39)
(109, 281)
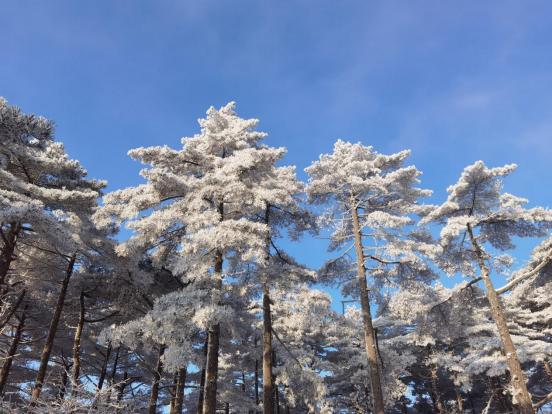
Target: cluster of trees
(201, 310)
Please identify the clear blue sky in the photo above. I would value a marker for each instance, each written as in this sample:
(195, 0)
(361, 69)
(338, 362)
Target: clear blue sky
(453, 81)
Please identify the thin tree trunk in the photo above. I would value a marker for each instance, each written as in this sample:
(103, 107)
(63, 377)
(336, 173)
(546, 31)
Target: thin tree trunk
(256, 377)
(103, 370)
(47, 350)
(202, 378)
(277, 399)
(518, 381)
(154, 393)
(369, 335)
(11, 352)
(121, 387)
(76, 348)
(173, 393)
(113, 376)
(268, 388)
(437, 401)
(459, 399)
(211, 375)
(63, 385)
(227, 408)
(12, 309)
(179, 392)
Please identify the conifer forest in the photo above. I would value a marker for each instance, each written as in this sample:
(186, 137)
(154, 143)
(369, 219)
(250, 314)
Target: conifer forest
(181, 295)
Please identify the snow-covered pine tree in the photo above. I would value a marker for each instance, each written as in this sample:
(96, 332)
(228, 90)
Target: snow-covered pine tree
(479, 219)
(371, 196)
(197, 215)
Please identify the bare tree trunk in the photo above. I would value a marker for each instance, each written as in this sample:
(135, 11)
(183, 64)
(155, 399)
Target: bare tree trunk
(103, 371)
(113, 376)
(268, 388)
(12, 309)
(179, 392)
(154, 393)
(173, 393)
(459, 399)
(121, 387)
(211, 375)
(63, 384)
(256, 377)
(227, 408)
(369, 335)
(202, 378)
(437, 401)
(518, 381)
(47, 350)
(11, 352)
(76, 348)
(277, 399)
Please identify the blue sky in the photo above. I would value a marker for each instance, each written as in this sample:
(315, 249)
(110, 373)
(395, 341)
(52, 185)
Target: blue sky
(453, 81)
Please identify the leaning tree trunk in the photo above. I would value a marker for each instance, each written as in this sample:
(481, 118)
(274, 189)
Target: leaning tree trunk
(202, 377)
(369, 335)
(211, 374)
(12, 309)
(47, 350)
(8, 360)
(521, 394)
(179, 392)
(154, 393)
(76, 348)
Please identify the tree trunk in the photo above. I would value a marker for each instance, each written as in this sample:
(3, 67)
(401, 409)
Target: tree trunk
(113, 376)
(47, 350)
(202, 378)
(227, 408)
(173, 393)
(154, 393)
(277, 399)
(436, 395)
(518, 381)
(369, 335)
(12, 309)
(268, 389)
(211, 375)
(548, 369)
(103, 371)
(121, 387)
(6, 257)
(63, 384)
(256, 377)
(76, 348)
(268, 386)
(11, 352)
(179, 392)
(459, 399)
